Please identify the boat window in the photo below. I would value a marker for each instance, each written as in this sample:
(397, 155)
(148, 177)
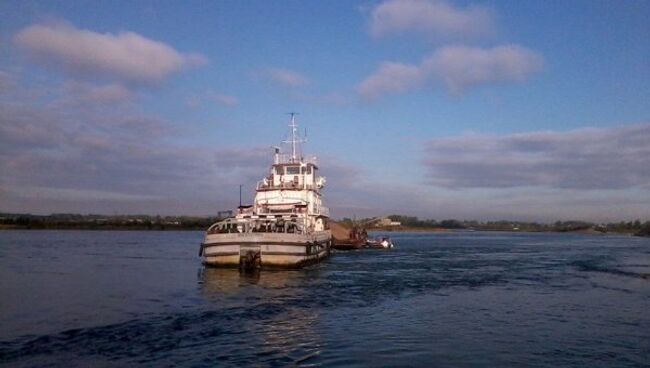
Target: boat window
(306, 170)
(293, 170)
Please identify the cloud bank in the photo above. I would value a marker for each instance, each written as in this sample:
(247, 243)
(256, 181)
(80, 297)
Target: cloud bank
(83, 148)
(109, 93)
(611, 158)
(458, 68)
(86, 148)
(125, 56)
(391, 78)
(431, 18)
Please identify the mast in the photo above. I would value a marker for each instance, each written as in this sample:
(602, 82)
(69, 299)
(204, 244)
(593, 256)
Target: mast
(294, 139)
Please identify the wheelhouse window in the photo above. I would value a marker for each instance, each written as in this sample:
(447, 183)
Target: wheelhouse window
(293, 170)
(306, 170)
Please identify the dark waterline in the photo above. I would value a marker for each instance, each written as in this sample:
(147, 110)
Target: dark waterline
(95, 298)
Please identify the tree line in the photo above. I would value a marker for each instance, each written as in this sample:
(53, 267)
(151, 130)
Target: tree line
(103, 222)
(630, 227)
(148, 222)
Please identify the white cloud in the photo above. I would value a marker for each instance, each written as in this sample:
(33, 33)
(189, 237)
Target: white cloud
(462, 67)
(71, 151)
(391, 78)
(46, 193)
(286, 77)
(459, 68)
(608, 158)
(109, 93)
(432, 18)
(125, 56)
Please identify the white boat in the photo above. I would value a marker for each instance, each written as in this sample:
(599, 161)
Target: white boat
(287, 225)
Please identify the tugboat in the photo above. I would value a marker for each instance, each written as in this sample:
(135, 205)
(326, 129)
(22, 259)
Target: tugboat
(287, 225)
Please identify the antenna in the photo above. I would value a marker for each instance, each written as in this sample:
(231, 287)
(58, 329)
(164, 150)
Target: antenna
(294, 139)
(293, 136)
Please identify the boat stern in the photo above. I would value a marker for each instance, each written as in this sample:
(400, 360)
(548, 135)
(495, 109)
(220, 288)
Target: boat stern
(265, 250)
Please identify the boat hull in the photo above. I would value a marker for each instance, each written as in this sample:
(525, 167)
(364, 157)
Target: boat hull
(347, 244)
(271, 250)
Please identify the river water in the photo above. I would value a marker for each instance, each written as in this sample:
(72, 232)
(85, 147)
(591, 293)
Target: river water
(466, 299)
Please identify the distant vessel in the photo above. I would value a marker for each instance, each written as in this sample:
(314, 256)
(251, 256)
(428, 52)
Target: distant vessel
(287, 225)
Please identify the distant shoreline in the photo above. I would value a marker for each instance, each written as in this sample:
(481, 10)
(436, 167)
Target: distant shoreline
(443, 230)
(389, 230)
(14, 221)
(114, 228)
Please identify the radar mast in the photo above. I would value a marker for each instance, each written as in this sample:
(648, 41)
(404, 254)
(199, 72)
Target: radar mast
(294, 138)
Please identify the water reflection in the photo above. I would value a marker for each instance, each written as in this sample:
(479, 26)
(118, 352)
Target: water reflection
(277, 323)
(224, 281)
(219, 281)
(293, 335)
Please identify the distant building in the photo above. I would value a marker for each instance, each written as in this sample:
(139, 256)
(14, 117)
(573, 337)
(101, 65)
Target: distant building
(388, 222)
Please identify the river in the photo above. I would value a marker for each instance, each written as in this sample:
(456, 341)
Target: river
(462, 299)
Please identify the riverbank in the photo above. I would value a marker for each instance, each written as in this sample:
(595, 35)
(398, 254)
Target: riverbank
(442, 230)
(407, 224)
(388, 230)
(414, 224)
(101, 222)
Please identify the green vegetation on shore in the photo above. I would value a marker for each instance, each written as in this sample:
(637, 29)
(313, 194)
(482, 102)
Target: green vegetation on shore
(103, 222)
(414, 223)
(147, 222)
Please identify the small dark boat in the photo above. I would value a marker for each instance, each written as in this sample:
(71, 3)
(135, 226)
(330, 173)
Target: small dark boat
(380, 243)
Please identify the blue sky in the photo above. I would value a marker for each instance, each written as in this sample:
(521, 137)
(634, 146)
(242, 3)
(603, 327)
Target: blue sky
(475, 110)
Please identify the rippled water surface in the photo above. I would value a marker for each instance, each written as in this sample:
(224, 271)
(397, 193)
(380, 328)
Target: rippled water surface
(91, 298)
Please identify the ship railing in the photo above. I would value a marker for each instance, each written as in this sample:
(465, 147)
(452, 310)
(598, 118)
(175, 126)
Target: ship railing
(321, 211)
(265, 225)
(285, 158)
(261, 185)
(268, 211)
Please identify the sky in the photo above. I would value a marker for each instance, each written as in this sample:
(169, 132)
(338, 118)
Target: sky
(487, 110)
